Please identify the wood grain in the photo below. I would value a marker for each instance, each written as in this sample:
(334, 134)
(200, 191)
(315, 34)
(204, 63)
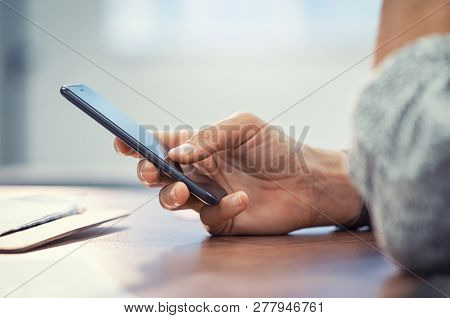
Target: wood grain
(155, 253)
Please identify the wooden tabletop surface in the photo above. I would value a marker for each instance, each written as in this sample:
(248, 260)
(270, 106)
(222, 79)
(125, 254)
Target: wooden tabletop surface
(155, 253)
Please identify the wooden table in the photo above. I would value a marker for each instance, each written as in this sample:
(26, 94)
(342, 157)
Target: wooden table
(156, 253)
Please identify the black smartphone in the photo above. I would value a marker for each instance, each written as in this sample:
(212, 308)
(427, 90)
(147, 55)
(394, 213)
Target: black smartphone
(140, 140)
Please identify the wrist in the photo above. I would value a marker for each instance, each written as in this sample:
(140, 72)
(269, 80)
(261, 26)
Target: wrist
(334, 198)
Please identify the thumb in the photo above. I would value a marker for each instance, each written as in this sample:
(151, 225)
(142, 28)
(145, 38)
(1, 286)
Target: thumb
(228, 133)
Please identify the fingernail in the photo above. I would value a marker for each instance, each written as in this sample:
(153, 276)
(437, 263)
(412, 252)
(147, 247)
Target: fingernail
(115, 147)
(144, 172)
(141, 169)
(173, 196)
(236, 200)
(144, 166)
(184, 149)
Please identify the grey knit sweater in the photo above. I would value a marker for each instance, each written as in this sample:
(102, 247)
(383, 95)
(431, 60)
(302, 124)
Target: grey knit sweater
(400, 159)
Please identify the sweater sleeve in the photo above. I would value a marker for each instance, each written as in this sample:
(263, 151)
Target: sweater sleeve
(400, 157)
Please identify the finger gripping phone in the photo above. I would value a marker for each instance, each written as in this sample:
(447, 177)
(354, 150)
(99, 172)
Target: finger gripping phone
(139, 139)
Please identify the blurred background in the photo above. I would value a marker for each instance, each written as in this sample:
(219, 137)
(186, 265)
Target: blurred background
(200, 60)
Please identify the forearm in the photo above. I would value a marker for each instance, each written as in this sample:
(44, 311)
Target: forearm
(403, 21)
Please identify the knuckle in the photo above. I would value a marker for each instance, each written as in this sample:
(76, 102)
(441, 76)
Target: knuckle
(202, 134)
(204, 138)
(185, 134)
(247, 116)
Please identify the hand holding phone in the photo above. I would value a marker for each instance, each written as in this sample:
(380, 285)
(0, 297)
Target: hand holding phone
(257, 164)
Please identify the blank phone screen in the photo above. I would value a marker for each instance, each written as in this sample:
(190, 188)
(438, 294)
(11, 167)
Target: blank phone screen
(118, 118)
